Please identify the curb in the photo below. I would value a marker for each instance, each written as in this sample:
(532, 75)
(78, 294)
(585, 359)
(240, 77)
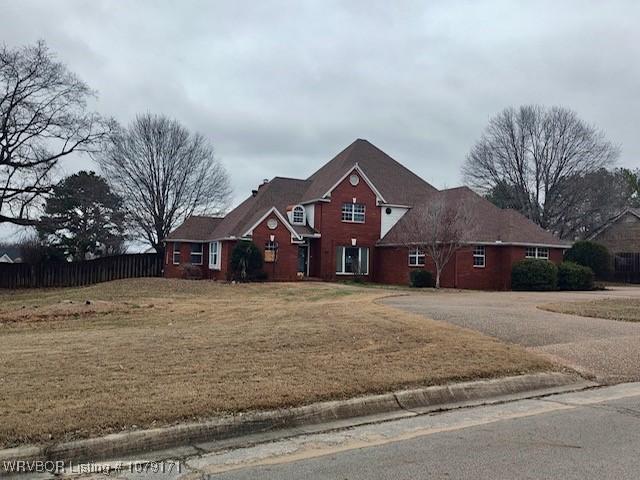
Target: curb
(415, 401)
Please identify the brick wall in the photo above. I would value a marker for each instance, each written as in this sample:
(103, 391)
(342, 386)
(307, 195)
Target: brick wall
(392, 266)
(178, 271)
(623, 236)
(285, 268)
(335, 232)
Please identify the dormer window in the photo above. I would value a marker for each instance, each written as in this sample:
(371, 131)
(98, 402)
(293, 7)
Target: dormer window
(298, 215)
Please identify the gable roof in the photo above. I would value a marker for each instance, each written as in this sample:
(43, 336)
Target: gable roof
(195, 228)
(396, 183)
(280, 192)
(488, 223)
(609, 223)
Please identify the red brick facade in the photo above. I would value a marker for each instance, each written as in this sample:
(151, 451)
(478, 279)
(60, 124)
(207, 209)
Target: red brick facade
(335, 232)
(393, 267)
(324, 233)
(285, 266)
(186, 270)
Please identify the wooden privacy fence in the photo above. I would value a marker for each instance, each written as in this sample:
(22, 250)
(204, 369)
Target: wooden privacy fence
(627, 267)
(73, 274)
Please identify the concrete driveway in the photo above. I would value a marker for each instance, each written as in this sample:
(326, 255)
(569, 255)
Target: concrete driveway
(607, 350)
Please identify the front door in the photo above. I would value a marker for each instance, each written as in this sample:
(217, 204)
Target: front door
(303, 259)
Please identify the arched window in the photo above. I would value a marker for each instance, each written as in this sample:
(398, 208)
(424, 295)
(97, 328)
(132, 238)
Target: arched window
(298, 215)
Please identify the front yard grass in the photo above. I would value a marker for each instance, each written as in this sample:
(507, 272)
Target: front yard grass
(624, 309)
(81, 362)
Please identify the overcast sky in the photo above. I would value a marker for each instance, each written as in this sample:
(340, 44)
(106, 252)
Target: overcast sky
(280, 87)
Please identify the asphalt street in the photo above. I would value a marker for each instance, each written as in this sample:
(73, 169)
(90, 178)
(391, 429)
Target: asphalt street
(593, 434)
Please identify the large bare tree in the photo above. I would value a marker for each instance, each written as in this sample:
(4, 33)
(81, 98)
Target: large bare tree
(538, 155)
(439, 228)
(43, 118)
(164, 174)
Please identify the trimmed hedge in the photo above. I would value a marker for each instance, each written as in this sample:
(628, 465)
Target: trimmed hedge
(592, 255)
(421, 278)
(572, 276)
(534, 275)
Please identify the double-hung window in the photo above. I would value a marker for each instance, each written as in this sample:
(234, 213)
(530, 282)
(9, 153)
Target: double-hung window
(479, 256)
(352, 261)
(537, 252)
(416, 257)
(176, 253)
(214, 255)
(353, 212)
(196, 254)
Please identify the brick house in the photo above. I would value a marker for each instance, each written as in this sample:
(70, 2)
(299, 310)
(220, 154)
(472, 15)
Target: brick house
(621, 235)
(348, 216)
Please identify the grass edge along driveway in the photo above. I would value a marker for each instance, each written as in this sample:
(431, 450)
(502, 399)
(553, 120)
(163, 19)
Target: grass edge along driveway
(621, 309)
(140, 353)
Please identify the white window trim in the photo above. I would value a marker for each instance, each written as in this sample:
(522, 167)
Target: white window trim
(353, 213)
(537, 254)
(482, 255)
(215, 265)
(415, 254)
(173, 255)
(359, 260)
(304, 215)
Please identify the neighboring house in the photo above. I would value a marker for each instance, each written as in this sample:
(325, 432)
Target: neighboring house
(349, 216)
(621, 235)
(10, 255)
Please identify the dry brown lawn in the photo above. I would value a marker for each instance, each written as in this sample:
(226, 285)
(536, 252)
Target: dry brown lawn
(625, 309)
(129, 354)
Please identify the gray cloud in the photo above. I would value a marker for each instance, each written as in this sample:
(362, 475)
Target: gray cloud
(280, 87)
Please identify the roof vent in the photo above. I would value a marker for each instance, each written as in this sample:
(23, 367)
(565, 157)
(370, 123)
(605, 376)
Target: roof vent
(254, 193)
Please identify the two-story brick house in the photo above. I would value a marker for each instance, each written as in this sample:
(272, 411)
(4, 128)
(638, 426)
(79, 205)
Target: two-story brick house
(347, 219)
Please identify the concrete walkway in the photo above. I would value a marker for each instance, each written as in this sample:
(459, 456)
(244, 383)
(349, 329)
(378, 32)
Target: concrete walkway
(608, 350)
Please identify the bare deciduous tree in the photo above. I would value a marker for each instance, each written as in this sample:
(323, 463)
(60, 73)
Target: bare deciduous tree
(164, 174)
(439, 228)
(538, 154)
(43, 118)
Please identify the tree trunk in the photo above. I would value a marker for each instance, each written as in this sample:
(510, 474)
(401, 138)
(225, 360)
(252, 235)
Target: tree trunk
(437, 278)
